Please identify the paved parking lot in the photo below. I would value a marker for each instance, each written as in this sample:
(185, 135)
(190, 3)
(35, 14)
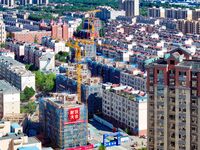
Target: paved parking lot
(96, 136)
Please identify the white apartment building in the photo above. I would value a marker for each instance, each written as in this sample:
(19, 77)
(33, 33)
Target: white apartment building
(57, 46)
(127, 108)
(16, 74)
(17, 48)
(108, 13)
(12, 138)
(135, 78)
(2, 32)
(46, 62)
(41, 57)
(9, 99)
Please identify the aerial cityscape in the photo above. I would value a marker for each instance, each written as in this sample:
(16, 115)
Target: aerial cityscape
(99, 75)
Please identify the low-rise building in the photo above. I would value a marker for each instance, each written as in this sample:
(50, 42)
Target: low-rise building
(16, 74)
(7, 53)
(12, 137)
(30, 36)
(125, 107)
(9, 99)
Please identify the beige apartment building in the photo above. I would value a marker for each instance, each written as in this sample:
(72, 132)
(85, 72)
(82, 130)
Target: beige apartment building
(131, 7)
(2, 32)
(173, 13)
(9, 99)
(173, 89)
(186, 26)
(125, 107)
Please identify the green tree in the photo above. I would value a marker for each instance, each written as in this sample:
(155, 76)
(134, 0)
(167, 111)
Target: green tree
(45, 82)
(62, 56)
(26, 94)
(29, 108)
(49, 82)
(29, 92)
(102, 147)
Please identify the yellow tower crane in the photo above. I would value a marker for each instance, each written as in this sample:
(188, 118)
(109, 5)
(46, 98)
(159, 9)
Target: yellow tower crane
(78, 67)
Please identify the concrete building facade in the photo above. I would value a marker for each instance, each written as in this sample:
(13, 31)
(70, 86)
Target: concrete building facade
(131, 7)
(126, 107)
(173, 89)
(9, 99)
(2, 32)
(16, 74)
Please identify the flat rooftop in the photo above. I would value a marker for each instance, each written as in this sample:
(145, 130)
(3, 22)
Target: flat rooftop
(7, 88)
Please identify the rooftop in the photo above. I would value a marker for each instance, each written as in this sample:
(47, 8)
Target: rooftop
(7, 88)
(126, 91)
(63, 100)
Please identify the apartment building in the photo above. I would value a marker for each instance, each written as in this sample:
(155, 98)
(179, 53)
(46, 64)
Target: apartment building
(125, 107)
(9, 99)
(16, 74)
(173, 89)
(173, 13)
(2, 32)
(57, 46)
(59, 30)
(17, 48)
(108, 13)
(131, 7)
(8, 3)
(156, 12)
(134, 78)
(41, 57)
(7, 53)
(191, 27)
(30, 36)
(12, 137)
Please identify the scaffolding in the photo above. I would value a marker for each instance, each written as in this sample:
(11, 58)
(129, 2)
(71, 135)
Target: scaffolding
(58, 127)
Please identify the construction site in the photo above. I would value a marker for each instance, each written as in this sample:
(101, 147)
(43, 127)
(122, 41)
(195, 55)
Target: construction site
(90, 86)
(63, 120)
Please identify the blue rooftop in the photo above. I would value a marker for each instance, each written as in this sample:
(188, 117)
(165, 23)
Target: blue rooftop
(28, 148)
(15, 125)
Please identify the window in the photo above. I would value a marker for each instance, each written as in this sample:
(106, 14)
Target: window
(172, 62)
(182, 73)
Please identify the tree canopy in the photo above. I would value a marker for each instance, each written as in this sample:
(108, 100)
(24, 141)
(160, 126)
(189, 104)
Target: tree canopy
(45, 82)
(26, 94)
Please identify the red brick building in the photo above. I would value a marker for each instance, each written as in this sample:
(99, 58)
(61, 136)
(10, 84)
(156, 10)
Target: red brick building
(59, 30)
(30, 36)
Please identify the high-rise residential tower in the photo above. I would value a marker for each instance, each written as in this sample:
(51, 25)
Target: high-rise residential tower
(2, 32)
(131, 7)
(173, 87)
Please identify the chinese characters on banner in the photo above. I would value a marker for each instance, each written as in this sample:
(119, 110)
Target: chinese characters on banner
(73, 114)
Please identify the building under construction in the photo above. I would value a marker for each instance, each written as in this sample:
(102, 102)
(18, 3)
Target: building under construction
(64, 121)
(107, 72)
(90, 91)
